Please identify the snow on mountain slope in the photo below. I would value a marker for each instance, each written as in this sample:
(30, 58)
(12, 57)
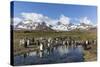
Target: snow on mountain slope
(34, 21)
(60, 28)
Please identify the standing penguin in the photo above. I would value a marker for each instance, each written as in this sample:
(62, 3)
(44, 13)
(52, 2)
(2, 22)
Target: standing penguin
(41, 47)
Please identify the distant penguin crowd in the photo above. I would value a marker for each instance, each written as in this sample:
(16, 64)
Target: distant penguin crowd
(44, 43)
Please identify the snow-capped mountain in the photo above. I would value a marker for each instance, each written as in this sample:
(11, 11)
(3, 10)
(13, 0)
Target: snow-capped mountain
(63, 27)
(26, 24)
(30, 25)
(83, 26)
(34, 21)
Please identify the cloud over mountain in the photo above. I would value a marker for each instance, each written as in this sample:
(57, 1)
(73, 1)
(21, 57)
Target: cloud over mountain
(34, 20)
(33, 16)
(64, 20)
(85, 20)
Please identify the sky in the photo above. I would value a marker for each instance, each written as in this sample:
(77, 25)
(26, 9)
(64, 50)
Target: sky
(67, 12)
